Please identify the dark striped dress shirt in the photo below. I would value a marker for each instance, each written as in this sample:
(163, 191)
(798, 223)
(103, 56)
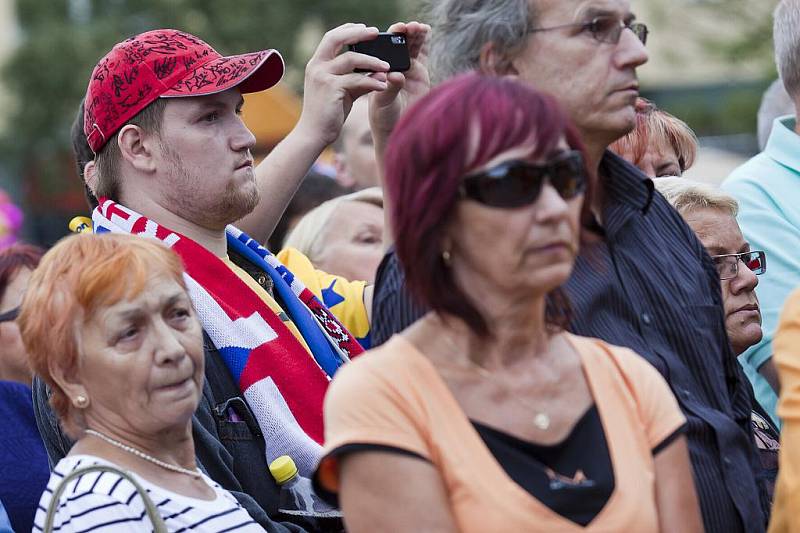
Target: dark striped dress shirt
(650, 286)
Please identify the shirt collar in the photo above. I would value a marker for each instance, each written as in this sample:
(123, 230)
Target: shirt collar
(783, 144)
(623, 182)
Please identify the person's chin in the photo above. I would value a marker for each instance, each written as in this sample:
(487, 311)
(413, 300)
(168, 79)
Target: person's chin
(243, 201)
(747, 336)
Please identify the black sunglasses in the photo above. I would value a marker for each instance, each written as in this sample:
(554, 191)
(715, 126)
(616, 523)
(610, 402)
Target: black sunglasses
(518, 183)
(10, 315)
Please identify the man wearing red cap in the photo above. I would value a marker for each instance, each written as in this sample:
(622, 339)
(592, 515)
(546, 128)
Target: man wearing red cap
(172, 162)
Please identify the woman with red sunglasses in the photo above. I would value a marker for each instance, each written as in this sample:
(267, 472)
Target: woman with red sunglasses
(486, 415)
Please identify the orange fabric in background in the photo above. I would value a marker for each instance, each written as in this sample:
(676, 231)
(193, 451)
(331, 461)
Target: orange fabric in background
(271, 115)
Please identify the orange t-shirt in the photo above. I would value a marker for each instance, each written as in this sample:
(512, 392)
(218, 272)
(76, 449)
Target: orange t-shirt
(395, 397)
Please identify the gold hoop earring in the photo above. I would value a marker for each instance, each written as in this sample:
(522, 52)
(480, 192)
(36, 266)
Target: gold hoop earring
(81, 401)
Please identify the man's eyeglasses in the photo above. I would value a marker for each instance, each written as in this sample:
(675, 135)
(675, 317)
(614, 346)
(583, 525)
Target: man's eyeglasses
(728, 264)
(519, 183)
(10, 315)
(605, 29)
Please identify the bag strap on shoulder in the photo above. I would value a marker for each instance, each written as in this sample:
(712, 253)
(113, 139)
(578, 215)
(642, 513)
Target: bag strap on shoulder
(152, 512)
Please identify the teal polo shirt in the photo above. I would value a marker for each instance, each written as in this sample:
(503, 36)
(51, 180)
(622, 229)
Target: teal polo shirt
(767, 188)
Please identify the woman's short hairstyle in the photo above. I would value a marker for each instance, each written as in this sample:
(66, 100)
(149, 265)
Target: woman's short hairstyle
(15, 257)
(786, 34)
(308, 235)
(456, 128)
(654, 125)
(686, 195)
(79, 275)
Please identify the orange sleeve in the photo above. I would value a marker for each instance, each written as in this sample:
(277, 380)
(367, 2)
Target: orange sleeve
(367, 404)
(657, 406)
(787, 358)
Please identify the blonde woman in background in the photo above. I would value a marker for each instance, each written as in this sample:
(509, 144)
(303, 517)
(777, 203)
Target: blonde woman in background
(343, 236)
(711, 213)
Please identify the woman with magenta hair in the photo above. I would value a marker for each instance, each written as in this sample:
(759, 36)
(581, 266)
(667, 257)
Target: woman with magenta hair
(486, 415)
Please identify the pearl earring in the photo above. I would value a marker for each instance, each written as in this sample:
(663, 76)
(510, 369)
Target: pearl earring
(81, 401)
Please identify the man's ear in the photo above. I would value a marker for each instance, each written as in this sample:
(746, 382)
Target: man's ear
(136, 148)
(494, 63)
(90, 176)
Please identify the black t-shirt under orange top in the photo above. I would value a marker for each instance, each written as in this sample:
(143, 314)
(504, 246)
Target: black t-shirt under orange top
(573, 478)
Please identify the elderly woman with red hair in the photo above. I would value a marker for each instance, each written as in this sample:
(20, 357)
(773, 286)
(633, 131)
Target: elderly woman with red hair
(486, 415)
(109, 326)
(660, 145)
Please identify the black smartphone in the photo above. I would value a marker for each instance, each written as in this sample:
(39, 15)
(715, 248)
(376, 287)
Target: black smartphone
(390, 47)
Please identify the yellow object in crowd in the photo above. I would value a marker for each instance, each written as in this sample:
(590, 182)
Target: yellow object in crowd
(283, 469)
(81, 225)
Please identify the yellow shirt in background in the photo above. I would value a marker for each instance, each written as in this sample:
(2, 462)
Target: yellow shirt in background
(345, 299)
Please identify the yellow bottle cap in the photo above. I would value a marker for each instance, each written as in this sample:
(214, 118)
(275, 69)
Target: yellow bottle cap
(80, 225)
(283, 469)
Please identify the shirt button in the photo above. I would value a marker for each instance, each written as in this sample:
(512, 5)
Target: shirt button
(727, 461)
(646, 318)
(686, 394)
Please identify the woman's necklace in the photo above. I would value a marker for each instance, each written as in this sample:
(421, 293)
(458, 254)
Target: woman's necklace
(142, 455)
(540, 419)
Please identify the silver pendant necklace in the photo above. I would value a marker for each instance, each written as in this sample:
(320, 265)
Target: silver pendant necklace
(142, 455)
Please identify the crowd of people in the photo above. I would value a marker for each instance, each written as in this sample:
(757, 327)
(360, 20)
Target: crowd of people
(508, 312)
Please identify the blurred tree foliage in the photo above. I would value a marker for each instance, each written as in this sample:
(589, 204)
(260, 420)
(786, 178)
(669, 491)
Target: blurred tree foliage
(744, 31)
(63, 39)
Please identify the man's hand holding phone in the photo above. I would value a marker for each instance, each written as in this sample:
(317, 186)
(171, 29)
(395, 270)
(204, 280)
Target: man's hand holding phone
(331, 83)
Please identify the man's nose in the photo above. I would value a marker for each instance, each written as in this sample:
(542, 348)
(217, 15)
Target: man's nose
(242, 138)
(631, 52)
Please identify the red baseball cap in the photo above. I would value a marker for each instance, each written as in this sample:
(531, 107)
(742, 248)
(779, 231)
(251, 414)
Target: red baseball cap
(166, 64)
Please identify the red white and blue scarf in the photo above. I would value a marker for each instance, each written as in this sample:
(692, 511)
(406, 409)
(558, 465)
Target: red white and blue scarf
(283, 384)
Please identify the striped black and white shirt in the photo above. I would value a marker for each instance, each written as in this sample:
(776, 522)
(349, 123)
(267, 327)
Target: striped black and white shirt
(104, 502)
(650, 286)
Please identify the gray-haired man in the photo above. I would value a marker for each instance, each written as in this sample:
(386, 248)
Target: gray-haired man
(628, 289)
